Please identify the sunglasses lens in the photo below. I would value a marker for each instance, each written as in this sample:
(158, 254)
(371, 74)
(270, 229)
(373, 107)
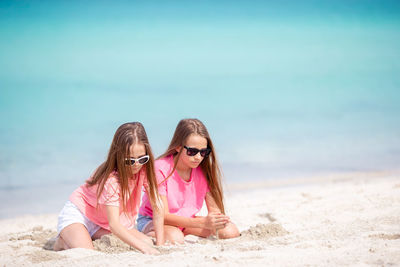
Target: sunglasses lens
(205, 152)
(143, 160)
(192, 151)
(129, 162)
(132, 161)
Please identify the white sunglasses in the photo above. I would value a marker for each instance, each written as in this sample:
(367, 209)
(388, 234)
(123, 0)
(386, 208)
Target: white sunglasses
(141, 160)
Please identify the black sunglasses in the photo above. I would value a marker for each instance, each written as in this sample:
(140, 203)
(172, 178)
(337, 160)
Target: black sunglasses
(141, 160)
(192, 151)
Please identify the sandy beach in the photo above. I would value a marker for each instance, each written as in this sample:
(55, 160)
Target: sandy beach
(336, 220)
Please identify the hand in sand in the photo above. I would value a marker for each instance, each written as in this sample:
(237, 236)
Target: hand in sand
(216, 220)
(150, 251)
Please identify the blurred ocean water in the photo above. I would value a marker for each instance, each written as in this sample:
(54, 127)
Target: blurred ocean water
(285, 88)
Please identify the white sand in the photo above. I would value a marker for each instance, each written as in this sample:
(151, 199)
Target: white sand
(333, 221)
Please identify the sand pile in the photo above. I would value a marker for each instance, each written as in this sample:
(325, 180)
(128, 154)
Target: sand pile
(40, 239)
(264, 231)
(386, 236)
(38, 236)
(112, 244)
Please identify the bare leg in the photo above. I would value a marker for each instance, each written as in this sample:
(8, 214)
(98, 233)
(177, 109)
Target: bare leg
(151, 233)
(230, 231)
(100, 233)
(173, 234)
(202, 232)
(74, 236)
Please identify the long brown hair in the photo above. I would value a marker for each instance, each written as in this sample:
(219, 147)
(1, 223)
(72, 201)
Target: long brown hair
(126, 135)
(209, 165)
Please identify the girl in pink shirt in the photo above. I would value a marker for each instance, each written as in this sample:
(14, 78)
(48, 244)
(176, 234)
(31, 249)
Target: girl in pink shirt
(188, 174)
(109, 200)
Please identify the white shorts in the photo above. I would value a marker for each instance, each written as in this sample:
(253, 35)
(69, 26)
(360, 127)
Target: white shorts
(71, 214)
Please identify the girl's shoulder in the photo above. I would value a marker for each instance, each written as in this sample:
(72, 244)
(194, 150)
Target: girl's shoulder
(113, 178)
(113, 175)
(164, 164)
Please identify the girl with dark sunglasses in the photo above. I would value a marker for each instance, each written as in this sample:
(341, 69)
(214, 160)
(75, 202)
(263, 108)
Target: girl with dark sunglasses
(109, 200)
(188, 174)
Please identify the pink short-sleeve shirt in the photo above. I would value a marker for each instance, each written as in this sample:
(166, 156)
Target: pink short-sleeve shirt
(85, 198)
(185, 198)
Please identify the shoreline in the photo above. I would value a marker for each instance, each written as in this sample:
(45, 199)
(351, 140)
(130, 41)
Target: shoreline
(304, 180)
(341, 220)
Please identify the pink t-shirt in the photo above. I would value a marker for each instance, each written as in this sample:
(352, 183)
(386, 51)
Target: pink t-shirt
(185, 198)
(85, 198)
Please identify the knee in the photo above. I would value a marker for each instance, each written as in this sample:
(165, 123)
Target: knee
(174, 235)
(230, 231)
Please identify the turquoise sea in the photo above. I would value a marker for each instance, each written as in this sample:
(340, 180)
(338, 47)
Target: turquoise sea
(286, 88)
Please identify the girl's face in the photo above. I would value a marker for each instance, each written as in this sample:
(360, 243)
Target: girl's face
(136, 151)
(193, 141)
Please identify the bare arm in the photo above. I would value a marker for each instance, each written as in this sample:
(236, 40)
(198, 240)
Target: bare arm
(211, 204)
(212, 208)
(228, 230)
(212, 221)
(158, 222)
(133, 238)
